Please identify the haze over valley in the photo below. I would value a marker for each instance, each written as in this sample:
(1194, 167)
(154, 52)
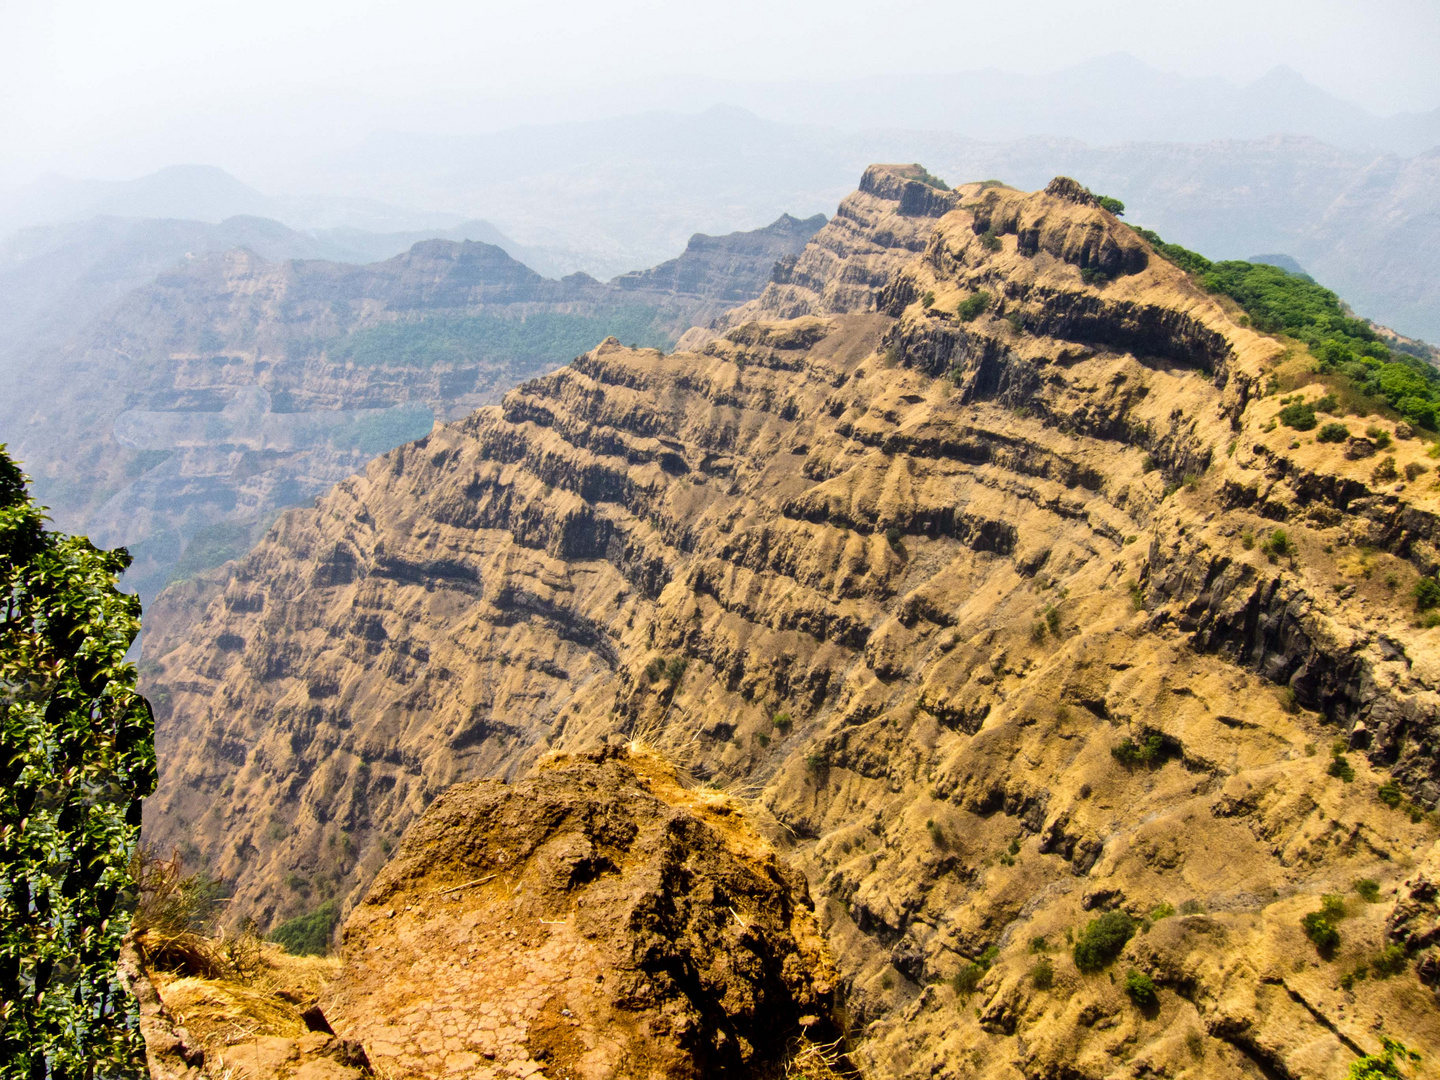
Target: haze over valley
(642, 540)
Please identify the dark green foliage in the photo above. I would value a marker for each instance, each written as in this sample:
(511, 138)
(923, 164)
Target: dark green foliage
(1278, 302)
(1152, 749)
(1141, 989)
(1093, 275)
(1385, 472)
(1115, 206)
(676, 668)
(1137, 595)
(930, 179)
(1278, 545)
(782, 722)
(1192, 907)
(1042, 974)
(973, 305)
(892, 536)
(1333, 432)
(1390, 961)
(1389, 793)
(928, 300)
(1368, 889)
(309, 935)
(1321, 931)
(1102, 940)
(1184, 258)
(538, 338)
(1427, 593)
(77, 754)
(1340, 766)
(1384, 1065)
(967, 979)
(1299, 416)
(989, 241)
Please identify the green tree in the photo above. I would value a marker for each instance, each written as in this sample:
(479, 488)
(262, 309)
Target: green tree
(77, 754)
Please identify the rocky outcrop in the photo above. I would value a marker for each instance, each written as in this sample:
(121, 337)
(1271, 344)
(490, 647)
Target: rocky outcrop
(979, 599)
(594, 920)
(728, 269)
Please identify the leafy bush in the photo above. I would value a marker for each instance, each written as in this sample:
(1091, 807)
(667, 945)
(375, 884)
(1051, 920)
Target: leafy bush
(1321, 931)
(1093, 275)
(929, 179)
(1299, 416)
(989, 241)
(1389, 793)
(1333, 432)
(1042, 974)
(1115, 206)
(1278, 545)
(1332, 906)
(1414, 469)
(1368, 889)
(1162, 910)
(1102, 940)
(1391, 961)
(973, 305)
(967, 979)
(928, 300)
(1152, 749)
(309, 935)
(77, 754)
(1141, 988)
(1385, 472)
(1340, 766)
(782, 722)
(1427, 593)
(1386, 1064)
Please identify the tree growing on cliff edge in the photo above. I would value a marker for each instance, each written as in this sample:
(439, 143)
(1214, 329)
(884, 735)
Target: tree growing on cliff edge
(77, 754)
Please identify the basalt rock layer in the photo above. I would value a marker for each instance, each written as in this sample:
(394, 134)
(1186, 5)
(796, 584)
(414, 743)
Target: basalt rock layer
(977, 598)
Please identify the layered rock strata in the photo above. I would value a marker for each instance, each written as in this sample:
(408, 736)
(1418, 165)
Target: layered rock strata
(982, 602)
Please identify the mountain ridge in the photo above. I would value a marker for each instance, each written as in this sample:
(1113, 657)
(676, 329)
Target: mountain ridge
(990, 577)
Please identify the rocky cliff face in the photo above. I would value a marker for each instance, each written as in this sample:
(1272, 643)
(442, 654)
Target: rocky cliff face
(230, 387)
(597, 920)
(955, 554)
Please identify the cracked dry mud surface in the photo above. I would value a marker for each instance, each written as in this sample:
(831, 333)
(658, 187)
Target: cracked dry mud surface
(903, 585)
(594, 921)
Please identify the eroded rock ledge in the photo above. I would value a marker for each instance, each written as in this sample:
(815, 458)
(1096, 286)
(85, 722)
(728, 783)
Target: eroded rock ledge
(597, 920)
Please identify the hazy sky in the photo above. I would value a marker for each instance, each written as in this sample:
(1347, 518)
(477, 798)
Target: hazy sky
(117, 88)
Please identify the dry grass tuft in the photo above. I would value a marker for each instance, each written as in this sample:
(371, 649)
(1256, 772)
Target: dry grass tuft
(810, 1060)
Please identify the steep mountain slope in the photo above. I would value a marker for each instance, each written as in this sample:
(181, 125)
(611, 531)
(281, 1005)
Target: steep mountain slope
(230, 387)
(955, 556)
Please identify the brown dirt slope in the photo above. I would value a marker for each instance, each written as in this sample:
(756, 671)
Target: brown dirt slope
(987, 614)
(595, 920)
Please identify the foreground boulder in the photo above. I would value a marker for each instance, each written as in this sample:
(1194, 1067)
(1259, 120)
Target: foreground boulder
(597, 920)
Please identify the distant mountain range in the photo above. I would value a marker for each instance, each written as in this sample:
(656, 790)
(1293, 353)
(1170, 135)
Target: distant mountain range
(1106, 99)
(238, 379)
